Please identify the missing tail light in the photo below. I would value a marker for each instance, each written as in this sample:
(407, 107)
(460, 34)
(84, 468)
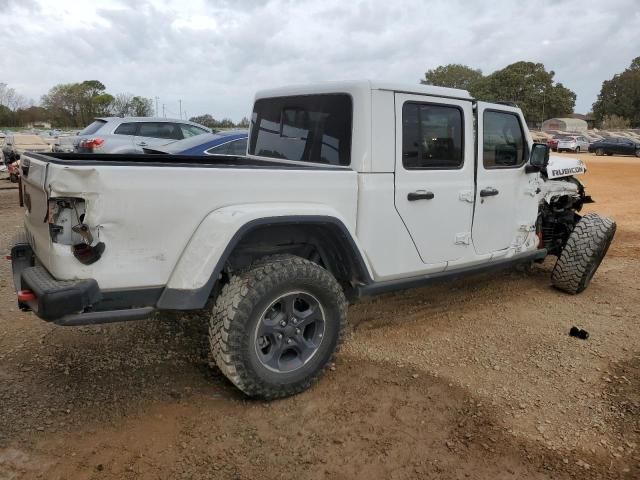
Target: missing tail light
(66, 219)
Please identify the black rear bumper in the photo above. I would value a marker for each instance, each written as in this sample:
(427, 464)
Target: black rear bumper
(64, 302)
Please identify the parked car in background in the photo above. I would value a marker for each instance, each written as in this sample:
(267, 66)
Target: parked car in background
(573, 143)
(553, 142)
(64, 144)
(615, 146)
(132, 134)
(232, 142)
(16, 144)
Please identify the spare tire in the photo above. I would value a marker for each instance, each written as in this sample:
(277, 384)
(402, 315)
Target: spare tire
(586, 247)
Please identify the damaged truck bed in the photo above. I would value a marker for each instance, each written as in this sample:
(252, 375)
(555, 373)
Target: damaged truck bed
(150, 220)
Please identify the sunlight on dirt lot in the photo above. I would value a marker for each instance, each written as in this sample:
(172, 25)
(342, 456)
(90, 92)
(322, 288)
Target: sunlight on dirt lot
(472, 379)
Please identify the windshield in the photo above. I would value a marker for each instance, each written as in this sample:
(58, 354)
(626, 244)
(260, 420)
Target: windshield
(206, 138)
(93, 127)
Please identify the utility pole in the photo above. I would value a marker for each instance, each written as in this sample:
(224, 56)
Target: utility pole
(157, 111)
(163, 113)
(180, 108)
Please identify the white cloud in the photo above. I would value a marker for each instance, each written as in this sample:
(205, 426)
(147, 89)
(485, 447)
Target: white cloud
(215, 54)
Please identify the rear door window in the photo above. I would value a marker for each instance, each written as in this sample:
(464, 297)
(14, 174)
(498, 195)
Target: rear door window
(164, 130)
(126, 129)
(307, 128)
(234, 147)
(432, 136)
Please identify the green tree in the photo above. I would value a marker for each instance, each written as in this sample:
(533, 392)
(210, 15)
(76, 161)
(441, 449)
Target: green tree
(453, 75)
(614, 122)
(620, 96)
(62, 103)
(244, 123)
(206, 120)
(531, 87)
(141, 107)
(527, 84)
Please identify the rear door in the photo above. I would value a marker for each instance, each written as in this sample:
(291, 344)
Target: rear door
(153, 134)
(506, 205)
(434, 174)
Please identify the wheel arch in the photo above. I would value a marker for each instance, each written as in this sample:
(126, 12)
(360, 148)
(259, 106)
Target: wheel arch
(321, 238)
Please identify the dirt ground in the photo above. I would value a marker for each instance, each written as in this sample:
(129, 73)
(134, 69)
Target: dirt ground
(473, 379)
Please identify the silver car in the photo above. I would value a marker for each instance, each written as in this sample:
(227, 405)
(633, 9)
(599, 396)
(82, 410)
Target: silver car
(132, 134)
(573, 143)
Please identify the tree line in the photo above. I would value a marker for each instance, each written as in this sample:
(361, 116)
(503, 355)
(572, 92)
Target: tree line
(208, 121)
(528, 84)
(540, 97)
(70, 105)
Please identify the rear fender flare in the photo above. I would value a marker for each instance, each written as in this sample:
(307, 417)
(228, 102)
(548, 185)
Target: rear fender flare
(206, 253)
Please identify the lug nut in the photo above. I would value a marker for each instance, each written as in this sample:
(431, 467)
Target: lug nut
(289, 341)
(279, 336)
(298, 331)
(295, 321)
(283, 323)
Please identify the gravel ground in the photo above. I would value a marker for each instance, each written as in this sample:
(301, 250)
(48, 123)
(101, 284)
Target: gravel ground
(471, 379)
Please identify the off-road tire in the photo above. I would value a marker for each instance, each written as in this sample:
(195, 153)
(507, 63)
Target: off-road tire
(586, 247)
(239, 307)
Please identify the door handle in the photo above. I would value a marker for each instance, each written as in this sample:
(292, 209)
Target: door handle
(420, 195)
(142, 144)
(489, 192)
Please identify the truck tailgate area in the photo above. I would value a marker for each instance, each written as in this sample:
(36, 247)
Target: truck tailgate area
(145, 212)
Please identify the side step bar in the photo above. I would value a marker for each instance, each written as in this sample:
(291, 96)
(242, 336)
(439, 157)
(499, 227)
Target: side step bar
(415, 282)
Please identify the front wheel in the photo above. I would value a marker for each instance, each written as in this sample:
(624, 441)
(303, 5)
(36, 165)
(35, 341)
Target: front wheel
(586, 247)
(275, 327)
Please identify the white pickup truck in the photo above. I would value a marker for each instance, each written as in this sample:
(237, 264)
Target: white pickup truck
(347, 189)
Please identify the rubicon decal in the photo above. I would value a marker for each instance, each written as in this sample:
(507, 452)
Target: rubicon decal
(566, 171)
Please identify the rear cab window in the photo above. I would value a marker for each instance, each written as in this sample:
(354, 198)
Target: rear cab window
(306, 128)
(503, 140)
(93, 127)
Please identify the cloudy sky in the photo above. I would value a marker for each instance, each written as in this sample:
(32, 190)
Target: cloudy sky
(214, 54)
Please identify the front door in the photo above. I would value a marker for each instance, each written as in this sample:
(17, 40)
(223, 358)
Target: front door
(506, 203)
(434, 174)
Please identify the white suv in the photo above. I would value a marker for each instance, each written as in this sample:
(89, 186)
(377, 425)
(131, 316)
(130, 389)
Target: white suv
(132, 134)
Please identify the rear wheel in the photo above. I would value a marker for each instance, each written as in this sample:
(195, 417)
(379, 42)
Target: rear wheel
(276, 327)
(599, 152)
(586, 247)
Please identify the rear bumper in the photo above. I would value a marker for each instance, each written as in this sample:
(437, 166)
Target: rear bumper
(63, 302)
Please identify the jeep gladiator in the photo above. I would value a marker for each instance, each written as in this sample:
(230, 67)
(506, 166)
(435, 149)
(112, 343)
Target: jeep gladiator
(347, 189)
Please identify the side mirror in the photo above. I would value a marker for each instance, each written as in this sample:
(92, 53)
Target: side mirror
(539, 155)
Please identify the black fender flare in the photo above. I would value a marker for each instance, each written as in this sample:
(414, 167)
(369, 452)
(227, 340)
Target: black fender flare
(194, 299)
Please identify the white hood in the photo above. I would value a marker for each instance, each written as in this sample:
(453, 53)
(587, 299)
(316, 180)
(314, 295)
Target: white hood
(565, 167)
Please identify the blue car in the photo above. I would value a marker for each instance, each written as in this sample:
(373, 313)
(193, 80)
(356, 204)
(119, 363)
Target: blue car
(232, 142)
